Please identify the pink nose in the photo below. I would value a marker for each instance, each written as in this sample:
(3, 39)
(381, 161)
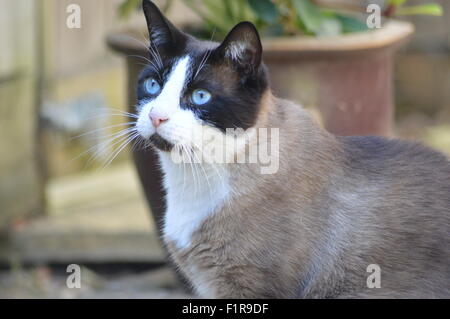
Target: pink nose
(157, 120)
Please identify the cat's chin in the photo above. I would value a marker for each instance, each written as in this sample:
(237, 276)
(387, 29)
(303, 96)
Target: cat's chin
(160, 143)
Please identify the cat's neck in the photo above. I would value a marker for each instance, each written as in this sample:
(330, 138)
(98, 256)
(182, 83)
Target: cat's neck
(194, 192)
(302, 147)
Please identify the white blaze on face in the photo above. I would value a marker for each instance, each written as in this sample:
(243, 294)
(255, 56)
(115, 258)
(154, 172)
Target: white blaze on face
(196, 191)
(191, 196)
(167, 105)
(182, 126)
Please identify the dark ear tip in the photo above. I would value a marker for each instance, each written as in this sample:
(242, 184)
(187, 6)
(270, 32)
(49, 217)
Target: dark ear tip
(148, 5)
(151, 11)
(248, 28)
(247, 25)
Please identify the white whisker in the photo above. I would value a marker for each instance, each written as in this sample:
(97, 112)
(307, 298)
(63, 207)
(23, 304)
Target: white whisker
(102, 129)
(120, 148)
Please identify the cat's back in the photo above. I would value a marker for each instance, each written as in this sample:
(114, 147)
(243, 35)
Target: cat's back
(397, 162)
(402, 211)
(400, 176)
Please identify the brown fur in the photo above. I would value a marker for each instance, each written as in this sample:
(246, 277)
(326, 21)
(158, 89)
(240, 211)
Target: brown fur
(336, 205)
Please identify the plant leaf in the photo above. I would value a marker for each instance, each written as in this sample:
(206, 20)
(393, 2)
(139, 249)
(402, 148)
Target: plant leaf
(272, 30)
(264, 9)
(309, 14)
(330, 26)
(351, 24)
(127, 7)
(428, 9)
(213, 22)
(396, 2)
(228, 9)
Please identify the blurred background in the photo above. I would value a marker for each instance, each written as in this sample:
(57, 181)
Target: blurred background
(68, 197)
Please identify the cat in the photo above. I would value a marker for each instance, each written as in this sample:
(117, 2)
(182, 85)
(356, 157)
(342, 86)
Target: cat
(339, 217)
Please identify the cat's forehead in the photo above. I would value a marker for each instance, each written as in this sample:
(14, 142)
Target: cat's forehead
(200, 46)
(202, 61)
(198, 51)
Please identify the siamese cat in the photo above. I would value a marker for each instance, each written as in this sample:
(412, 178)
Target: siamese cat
(339, 217)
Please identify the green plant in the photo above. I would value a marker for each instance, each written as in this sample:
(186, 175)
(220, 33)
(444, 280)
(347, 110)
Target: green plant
(274, 17)
(126, 7)
(285, 17)
(398, 8)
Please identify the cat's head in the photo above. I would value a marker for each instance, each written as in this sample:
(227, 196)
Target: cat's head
(190, 86)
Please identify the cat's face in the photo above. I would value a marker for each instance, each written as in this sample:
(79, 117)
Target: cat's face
(192, 86)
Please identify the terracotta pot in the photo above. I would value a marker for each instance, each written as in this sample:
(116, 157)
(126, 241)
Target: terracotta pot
(349, 78)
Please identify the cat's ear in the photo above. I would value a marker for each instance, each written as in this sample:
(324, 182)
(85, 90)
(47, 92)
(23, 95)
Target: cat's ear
(161, 31)
(243, 46)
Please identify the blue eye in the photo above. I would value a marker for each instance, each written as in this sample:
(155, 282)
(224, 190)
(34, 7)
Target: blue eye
(200, 97)
(152, 86)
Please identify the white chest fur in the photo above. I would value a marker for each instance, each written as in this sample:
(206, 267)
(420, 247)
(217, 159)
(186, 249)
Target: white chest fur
(194, 192)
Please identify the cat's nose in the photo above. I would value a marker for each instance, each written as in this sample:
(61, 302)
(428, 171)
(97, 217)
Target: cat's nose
(157, 120)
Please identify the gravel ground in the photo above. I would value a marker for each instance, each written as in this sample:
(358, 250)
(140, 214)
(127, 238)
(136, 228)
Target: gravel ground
(43, 283)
